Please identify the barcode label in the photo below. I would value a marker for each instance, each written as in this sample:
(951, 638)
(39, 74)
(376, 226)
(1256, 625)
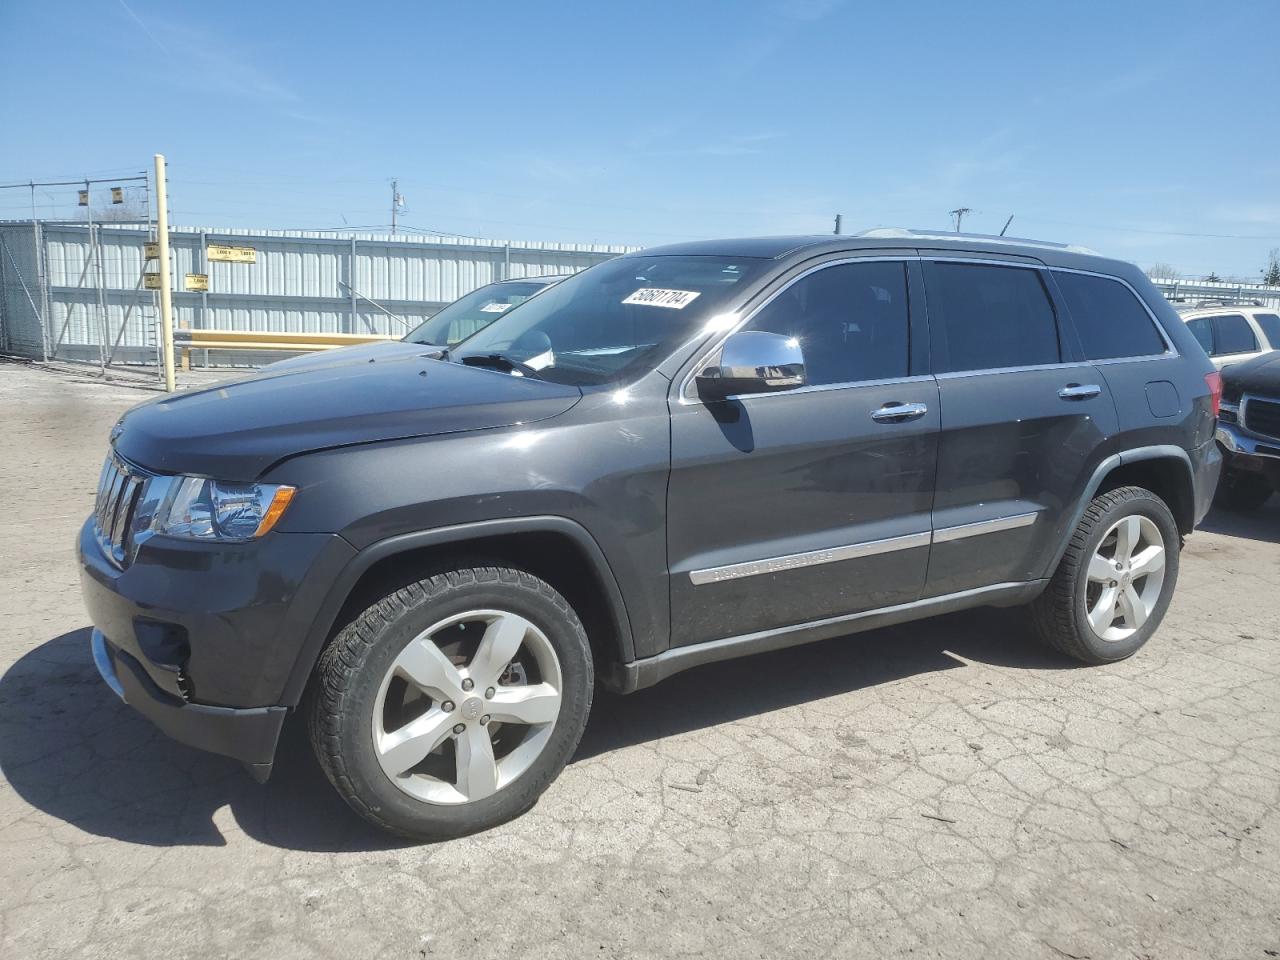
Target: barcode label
(657, 297)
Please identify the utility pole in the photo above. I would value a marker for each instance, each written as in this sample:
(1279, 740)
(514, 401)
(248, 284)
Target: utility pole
(959, 214)
(397, 202)
(166, 287)
(839, 219)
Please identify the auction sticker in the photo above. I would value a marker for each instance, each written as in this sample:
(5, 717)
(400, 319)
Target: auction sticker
(657, 297)
(495, 308)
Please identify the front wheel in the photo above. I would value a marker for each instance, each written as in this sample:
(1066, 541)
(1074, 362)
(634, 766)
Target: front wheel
(1113, 585)
(449, 705)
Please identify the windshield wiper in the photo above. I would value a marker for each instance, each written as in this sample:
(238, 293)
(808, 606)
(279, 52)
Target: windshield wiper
(517, 367)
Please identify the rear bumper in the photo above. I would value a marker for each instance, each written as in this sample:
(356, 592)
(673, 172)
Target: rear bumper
(248, 735)
(1206, 465)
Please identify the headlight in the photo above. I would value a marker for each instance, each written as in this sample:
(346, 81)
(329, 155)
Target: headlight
(197, 509)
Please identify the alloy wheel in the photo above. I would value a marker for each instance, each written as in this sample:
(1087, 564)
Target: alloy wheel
(1125, 578)
(467, 706)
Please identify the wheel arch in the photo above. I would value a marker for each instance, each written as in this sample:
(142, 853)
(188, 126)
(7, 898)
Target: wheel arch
(557, 549)
(1164, 469)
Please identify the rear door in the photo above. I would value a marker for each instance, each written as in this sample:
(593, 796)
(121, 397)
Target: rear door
(1023, 417)
(1227, 338)
(1233, 340)
(791, 507)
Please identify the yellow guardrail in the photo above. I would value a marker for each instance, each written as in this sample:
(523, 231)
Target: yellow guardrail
(187, 340)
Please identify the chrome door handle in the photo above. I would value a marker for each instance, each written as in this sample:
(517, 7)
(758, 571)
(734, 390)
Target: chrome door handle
(1079, 391)
(899, 412)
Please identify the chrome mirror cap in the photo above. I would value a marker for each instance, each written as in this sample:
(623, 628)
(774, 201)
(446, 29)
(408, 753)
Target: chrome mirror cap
(753, 361)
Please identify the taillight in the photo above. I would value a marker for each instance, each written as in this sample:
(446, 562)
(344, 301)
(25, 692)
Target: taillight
(1214, 382)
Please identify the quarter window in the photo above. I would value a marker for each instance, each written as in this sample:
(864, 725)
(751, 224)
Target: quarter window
(1232, 334)
(850, 319)
(1109, 319)
(985, 317)
(1270, 324)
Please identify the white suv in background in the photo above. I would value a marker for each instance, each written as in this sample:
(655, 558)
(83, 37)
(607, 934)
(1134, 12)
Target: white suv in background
(1232, 333)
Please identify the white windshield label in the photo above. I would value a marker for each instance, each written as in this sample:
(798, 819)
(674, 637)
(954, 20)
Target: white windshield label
(657, 297)
(495, 307)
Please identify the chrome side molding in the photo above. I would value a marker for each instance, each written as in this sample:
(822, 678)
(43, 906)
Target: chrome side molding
(869, 548)
(960, 532)
(752, 568)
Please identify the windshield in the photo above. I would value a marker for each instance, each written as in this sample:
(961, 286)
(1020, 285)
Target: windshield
(616, 320)
(476, 310)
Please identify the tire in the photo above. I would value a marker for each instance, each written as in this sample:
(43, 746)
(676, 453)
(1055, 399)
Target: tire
(1243, 492)
(392, 684)
(1087, 576)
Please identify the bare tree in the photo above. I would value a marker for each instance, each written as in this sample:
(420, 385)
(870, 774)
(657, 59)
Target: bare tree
(131, 210)
(1163, 271)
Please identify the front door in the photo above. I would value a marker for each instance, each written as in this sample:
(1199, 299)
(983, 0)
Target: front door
(792, 507)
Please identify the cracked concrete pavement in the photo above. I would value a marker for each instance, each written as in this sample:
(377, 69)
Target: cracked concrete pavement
(941, 789)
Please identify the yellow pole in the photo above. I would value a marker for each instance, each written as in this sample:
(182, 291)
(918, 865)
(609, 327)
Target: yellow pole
(166, 287)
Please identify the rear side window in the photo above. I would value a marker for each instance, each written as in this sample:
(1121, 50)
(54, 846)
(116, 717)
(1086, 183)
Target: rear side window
(850, 319)
(1270, 324)
(1232, 334)
(1110, 320)
(1202, 332)
(987, 317)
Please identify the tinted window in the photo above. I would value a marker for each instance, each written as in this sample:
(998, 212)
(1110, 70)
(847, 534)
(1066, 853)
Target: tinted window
(1270, 324)
(1108, 317)
(851, 321)
(1203, 332)
(617, 320)
(990, 317)
(1232, 334)
(476, 310)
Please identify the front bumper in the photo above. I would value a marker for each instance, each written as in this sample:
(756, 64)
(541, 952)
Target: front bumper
(202, 638)
(1237, 443)
(248, 735)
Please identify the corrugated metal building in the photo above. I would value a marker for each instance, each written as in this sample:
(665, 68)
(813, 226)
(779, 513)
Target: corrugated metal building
(71, 292)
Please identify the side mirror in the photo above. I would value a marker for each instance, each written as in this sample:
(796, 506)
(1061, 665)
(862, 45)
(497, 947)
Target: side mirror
(753, 361)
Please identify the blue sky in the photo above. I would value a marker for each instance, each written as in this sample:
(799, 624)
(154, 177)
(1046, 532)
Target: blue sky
(644, 123)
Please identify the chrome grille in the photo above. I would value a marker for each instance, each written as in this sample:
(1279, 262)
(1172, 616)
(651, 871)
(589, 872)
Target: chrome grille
(1262, 416)
(118, 491)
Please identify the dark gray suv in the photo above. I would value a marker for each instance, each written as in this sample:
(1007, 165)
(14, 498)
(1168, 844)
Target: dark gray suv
(679, 456)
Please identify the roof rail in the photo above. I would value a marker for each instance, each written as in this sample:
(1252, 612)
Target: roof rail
(903, 233)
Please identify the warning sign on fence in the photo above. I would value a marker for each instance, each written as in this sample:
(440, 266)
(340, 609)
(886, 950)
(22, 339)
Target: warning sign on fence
(151, 281)
(151, 250)
(229, 254)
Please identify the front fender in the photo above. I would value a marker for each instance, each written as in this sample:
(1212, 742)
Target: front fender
(460, 534)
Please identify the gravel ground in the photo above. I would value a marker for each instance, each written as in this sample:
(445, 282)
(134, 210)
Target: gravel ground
(940, 789)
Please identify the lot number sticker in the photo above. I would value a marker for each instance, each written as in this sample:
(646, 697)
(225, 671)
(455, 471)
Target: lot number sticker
(657, 297)
(495, 308)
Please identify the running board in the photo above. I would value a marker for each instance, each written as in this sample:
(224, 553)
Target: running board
(637, 675)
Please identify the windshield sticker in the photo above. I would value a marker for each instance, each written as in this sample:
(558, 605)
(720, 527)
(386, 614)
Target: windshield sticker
(495, 307)
(657, 297)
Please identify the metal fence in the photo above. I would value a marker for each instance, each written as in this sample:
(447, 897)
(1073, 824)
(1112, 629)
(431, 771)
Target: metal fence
(1185, 292)
(74, 291)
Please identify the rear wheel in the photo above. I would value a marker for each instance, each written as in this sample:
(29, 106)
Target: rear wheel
(449, 705)
(1113, 585)
(1244, 492)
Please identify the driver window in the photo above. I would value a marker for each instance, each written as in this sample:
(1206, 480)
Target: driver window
(850, 319)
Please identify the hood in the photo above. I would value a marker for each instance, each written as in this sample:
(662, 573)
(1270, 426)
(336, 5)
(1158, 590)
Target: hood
(1261, 374)
(235, 430)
